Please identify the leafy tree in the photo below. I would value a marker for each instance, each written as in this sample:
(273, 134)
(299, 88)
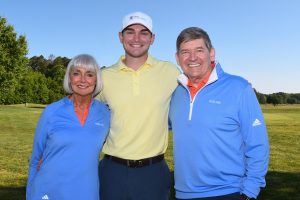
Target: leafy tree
(61, 61)
(48, 66)
(273, 99)
(13, 62)
(262, 99)
(282, 97)
(56, 90)
(291, 100)
(55, 82)
(296, 97)
(57, 73)
(53, 70)
(35, 88)
(57, 68)
(38, 63)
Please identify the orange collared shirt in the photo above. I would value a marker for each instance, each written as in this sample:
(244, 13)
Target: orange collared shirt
(193, 89)
(85, 114)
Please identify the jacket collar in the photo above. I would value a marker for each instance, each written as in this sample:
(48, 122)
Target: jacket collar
(214, 76)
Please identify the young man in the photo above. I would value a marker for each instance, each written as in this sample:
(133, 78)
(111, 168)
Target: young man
(221, 148)
(138, 90)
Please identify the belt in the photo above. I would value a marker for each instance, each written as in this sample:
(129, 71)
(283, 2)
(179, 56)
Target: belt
(136, 163)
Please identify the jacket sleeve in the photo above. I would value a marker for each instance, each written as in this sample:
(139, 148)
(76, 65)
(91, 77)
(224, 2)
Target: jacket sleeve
(256, 145)
(38, 147)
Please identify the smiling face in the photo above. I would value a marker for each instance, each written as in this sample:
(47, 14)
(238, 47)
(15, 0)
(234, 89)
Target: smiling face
(82, 81)
(136, 40)
(195, 59)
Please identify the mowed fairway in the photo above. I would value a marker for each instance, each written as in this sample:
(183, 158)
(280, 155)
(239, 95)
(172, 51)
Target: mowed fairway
(283, 179)
(17, 125)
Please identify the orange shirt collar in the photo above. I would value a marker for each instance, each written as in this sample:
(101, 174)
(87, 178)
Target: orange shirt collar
(193, 90)
(81, 118)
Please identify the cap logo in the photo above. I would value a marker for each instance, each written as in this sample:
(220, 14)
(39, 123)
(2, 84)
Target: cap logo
(137, 18)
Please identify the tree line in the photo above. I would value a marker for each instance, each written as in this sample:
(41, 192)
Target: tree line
(278, 98)
(39, 79)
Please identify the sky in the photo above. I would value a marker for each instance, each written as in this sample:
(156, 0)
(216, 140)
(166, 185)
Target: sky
(256, 39)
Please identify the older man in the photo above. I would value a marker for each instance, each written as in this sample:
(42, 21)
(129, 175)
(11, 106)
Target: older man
(221, 148)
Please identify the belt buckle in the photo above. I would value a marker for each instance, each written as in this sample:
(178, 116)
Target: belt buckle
(134, 163)
(139, 163)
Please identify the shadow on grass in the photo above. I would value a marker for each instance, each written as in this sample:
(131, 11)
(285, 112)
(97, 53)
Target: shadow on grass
(280, 186)
(36, 106)
(12, 193)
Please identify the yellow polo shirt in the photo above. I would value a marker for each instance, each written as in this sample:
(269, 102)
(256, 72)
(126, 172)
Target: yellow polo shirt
(139, 102)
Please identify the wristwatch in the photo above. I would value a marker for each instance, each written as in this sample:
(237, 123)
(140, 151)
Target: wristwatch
(245, 197)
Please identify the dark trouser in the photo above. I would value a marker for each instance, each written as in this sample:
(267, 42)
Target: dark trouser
(119, 182)
(233, 196)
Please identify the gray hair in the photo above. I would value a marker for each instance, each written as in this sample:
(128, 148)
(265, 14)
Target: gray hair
(193, 33)
(87, 62)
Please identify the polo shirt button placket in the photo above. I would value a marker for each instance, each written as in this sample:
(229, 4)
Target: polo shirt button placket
(135, 82)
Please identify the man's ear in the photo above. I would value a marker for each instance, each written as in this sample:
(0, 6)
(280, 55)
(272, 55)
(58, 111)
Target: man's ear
(121, 37)
(152, 39)
(212, 54)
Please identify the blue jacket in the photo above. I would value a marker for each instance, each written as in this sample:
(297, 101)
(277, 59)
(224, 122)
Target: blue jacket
(220, 138)
(69, 151)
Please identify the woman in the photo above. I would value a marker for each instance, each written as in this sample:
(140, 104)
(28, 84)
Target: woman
(69, 138)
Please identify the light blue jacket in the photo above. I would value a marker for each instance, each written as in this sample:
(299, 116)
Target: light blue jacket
(220, 138)
(69, 151)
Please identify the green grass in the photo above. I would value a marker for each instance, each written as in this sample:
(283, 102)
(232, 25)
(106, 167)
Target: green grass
(17, 124)
(283, 178)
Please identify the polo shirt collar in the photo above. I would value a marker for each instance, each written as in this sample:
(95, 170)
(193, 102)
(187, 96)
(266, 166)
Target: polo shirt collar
(150, 62)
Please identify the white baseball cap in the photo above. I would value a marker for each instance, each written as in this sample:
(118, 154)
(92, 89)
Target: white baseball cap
(137, 18)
